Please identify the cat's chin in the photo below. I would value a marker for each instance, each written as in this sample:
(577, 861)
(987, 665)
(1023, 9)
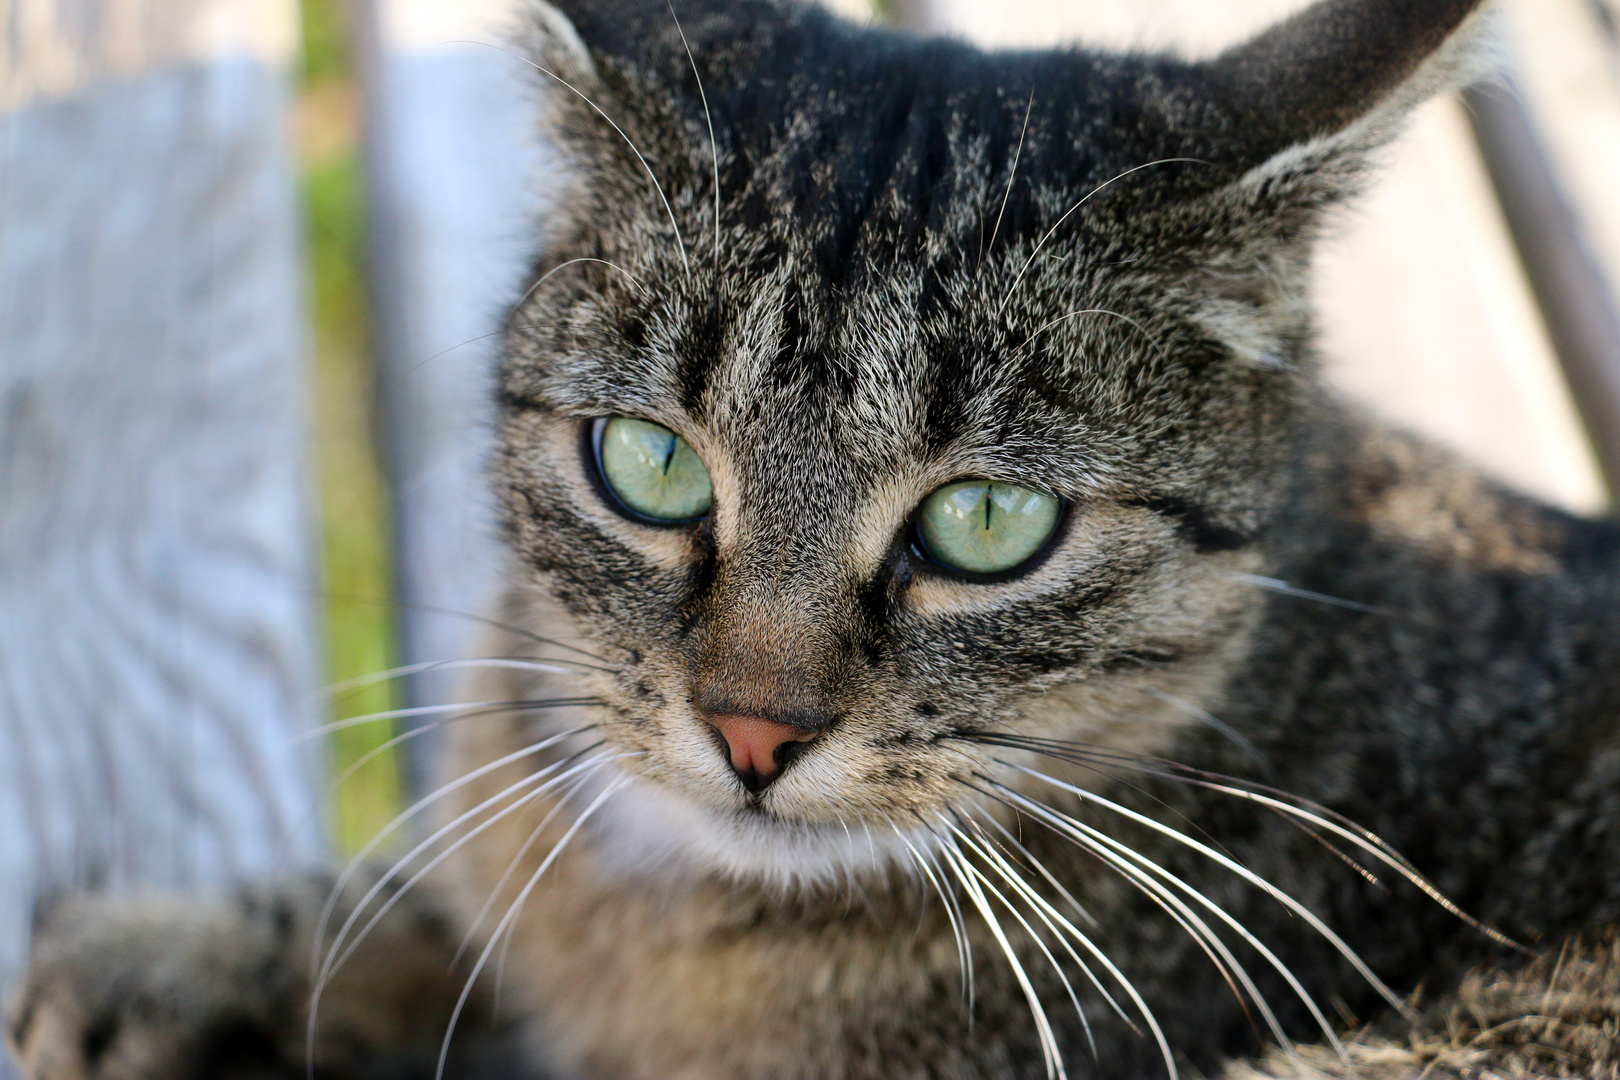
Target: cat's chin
(649, 829)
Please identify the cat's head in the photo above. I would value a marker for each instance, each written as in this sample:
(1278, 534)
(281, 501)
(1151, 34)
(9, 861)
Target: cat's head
(961, 404)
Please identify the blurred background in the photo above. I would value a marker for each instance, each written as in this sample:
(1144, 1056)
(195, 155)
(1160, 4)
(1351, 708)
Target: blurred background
(253, 255)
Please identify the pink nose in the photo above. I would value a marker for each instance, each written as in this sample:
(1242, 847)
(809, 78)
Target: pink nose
(756, 746)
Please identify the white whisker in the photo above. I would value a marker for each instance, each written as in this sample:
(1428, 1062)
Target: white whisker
(1012, 174)
(527, 799)
(1374, 846)
(429, 710)
(333, 960)
(680, 244)
(1021, 887)
(933, 858)
(964, 873)
(1235, 867)
(512, 912)
(1282, 588)
(1358, 835)
(1039, 330)
(375, 677)
(714, 145)
(1044, 872)
(373, 754)
(511, 867)
(1113, 970)
(1172, 906)
(1057, 923)
(964, 954)
(321, 965)
(526, 294)
(1134, 867)
(1205, 716)
(572, 262)
(365, 852)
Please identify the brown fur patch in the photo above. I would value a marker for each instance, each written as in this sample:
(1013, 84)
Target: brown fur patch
(1413, 493)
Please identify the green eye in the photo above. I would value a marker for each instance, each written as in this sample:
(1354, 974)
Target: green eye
(983, 527)
(652, 470)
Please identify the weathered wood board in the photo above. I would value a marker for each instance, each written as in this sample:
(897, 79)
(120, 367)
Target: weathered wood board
(156, 668)
(454, 169)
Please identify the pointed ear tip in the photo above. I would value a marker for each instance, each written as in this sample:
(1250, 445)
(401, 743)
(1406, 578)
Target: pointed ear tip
(1342, 66)
(1474, 51)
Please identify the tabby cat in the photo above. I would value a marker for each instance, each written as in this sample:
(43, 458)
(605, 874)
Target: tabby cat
(950, 631)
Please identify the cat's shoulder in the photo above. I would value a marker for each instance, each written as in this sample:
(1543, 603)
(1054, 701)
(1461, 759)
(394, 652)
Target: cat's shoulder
(1410, 493)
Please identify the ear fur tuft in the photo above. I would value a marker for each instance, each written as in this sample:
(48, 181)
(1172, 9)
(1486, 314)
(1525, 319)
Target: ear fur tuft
(552, 44)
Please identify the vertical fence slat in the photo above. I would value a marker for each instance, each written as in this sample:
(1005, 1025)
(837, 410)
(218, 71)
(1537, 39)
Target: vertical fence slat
(452, 160)
(155, 660)
(1570, 283)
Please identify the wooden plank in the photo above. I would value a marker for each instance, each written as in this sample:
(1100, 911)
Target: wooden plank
(453, 169)
(155, 650)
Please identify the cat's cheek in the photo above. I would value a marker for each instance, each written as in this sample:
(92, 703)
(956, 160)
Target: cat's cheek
(672, 551)
(933, 594)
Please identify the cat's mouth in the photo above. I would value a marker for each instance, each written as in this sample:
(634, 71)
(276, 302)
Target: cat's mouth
(655, 828)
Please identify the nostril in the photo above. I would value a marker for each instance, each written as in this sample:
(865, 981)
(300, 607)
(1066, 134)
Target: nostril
(788, 751)
(759, 749)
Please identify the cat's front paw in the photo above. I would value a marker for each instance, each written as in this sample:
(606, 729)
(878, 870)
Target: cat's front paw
(155, 989)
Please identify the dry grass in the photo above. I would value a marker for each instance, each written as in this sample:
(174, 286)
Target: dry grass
(1558, 1016)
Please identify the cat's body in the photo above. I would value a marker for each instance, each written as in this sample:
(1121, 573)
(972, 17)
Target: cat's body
(1503, 787)
(1077, 277)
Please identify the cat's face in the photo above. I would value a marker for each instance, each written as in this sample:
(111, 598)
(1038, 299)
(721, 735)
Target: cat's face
(1068, 278)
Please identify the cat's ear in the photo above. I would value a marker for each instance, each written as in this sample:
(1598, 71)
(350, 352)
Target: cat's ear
(1347, 70)
(1305, 101)
(1302, 108)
